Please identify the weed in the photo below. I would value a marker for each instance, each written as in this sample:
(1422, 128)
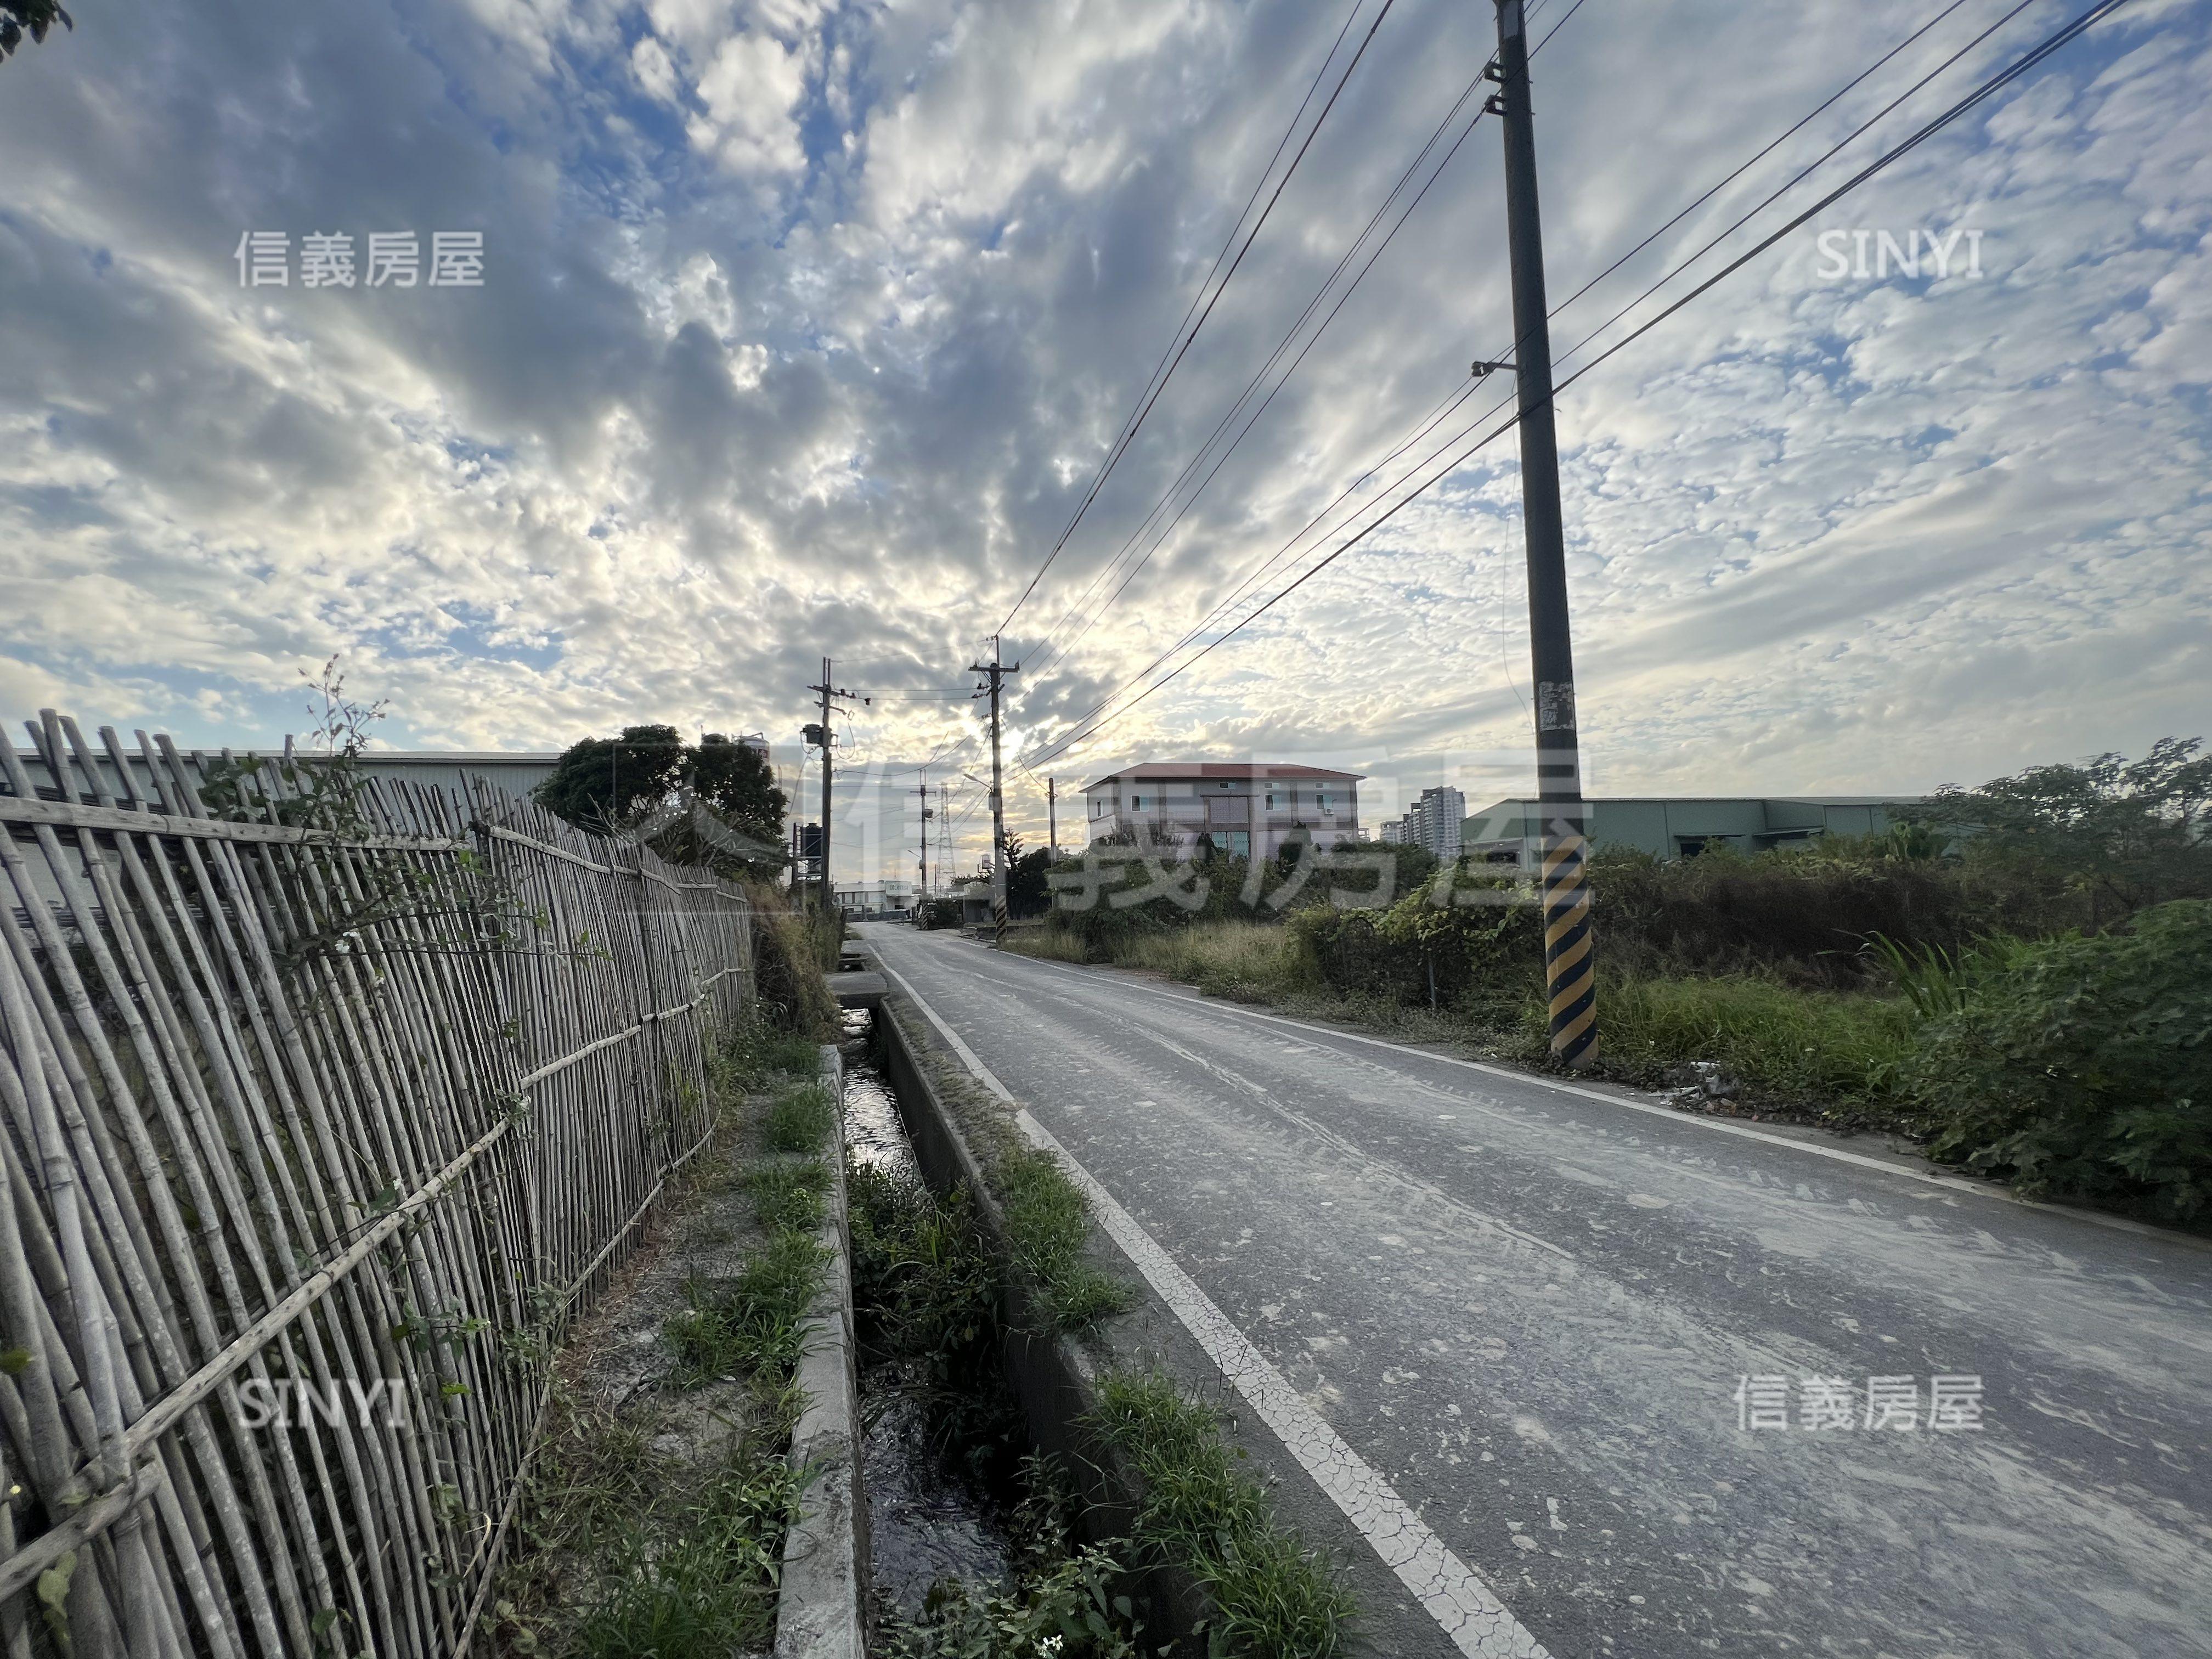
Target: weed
(595, 1472)
(789, 1197)
(926, 1299)
(709, 1588)
(1052, 944)
(1838, 1052)
(756, 1055)
(801, 1118)
(1048, 1224)
(750, 1324)
(1071, 1610)
(1279, 1597)
(1063, 1600)
(1245, 960)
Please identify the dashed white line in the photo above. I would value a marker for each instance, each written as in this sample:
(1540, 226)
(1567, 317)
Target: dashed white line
(1454, 1593)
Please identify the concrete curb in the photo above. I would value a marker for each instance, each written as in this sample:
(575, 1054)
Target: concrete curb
(821, 1612)
(1052, 1376)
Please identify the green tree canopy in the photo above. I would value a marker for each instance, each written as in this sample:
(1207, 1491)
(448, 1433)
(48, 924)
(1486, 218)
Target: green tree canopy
(31, 17)
(603, 784)
(2126, 833)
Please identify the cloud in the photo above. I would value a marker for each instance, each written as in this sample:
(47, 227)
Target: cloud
(805, 328)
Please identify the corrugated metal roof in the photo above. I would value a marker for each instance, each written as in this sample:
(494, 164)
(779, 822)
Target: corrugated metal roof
(1207, 771)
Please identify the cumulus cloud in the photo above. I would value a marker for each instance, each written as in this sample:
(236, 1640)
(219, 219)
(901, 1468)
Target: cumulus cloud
(804, 327)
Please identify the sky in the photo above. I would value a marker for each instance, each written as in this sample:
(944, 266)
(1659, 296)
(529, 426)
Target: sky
(803, 330)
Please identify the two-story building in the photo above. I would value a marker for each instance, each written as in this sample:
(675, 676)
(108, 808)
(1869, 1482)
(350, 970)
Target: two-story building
(1248, 809)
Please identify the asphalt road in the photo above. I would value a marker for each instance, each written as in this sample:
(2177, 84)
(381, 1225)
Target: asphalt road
(1532, 1310)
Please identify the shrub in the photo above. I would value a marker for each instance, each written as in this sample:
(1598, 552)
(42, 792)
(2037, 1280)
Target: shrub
(1420, 951)
(1807, 914)
(2081, 1067)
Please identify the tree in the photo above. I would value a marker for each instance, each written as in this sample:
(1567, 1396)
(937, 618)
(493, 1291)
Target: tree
(714, 802)
(2125, 834)
(603, 784)
(31, 17)
(734, 778)
(1029, 893)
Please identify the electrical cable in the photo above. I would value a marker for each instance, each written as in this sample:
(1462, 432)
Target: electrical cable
(1159, 384)
(1988, 87)
(1050, 653)
(1312, 305)
(1247, 583)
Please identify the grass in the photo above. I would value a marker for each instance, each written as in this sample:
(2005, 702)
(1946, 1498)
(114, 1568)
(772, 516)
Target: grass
(1840, 1052)
(1049, 942)
(800, 1118)
(755, 1055)
(1246, 961)
(789, 1197)
(748, 1325)
(708, 1588)
(1047, 1226)
(1279, 1597)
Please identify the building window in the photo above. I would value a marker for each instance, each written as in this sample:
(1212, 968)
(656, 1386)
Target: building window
(1271, 797)
(1136, 803)
(1320, 800)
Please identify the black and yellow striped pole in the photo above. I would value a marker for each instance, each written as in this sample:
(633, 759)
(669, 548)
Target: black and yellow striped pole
(1568, 961)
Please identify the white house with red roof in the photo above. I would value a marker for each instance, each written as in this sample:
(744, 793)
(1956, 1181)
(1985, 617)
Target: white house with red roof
(1250, 809)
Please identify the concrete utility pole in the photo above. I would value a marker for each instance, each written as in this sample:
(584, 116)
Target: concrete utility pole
(996, 671)
(924, 793)
(826, 735)
(946, 860)
(1052, 816)
(1568, 966)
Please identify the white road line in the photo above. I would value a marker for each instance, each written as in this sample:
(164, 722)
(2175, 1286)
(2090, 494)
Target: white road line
(1456, 1597)
(1684, 1120)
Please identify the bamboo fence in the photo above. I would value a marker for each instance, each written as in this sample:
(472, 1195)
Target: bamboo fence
(315, 1140)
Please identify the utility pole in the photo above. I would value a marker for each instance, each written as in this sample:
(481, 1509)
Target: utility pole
(1569, 979)
(944, 849)
(826, 735)
(996, 671)
(924, 793)
(1052, 816)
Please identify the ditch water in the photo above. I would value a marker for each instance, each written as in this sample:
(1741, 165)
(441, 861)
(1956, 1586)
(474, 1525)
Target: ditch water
(927, 1520)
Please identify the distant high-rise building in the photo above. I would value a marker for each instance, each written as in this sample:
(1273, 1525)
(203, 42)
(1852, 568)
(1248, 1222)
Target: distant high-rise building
(1433, 822)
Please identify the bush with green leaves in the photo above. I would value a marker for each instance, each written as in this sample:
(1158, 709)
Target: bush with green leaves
(2081, 1067)
(1420, 951)
(1804, 914)
(2108, 835)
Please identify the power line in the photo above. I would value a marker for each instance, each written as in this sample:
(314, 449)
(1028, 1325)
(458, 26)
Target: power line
(1288, 548)
(1050, 654)
(1312, 305)
(1799, 177)
(2019, 66)
(1258, 185)
(1160, 382)
(1751, 161)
